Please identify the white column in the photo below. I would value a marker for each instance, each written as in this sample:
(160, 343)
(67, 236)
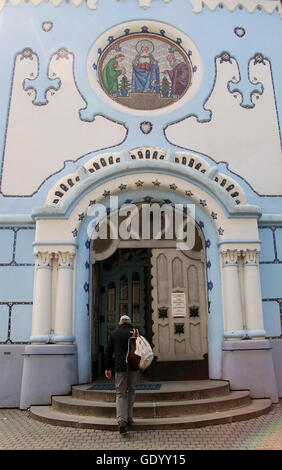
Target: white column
(232, 307)
(41, 314)
(253, 302)
(64, 299)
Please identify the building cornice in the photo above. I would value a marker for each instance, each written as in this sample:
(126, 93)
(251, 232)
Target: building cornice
(269, 6)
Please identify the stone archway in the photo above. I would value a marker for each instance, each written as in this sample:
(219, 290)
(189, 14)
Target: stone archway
(177, 332)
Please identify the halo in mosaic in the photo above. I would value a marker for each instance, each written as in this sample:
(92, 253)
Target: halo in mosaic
(146, 71)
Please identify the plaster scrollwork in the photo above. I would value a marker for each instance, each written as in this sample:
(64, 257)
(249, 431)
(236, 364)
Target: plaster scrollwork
(190, 162)
(230, 257)
(251, 256)
(43, 258)
(48, 258)
(65, 259)
(231, 5)
(92, 4)
(146, 3)
(141, 3)
(198, 5)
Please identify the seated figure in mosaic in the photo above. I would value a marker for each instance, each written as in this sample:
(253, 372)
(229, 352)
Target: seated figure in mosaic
(145, 69)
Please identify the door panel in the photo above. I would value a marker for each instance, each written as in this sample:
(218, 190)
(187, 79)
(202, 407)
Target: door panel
(179, 305)
(122, 292)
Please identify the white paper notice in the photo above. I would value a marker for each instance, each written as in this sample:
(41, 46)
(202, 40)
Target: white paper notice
(178, 304)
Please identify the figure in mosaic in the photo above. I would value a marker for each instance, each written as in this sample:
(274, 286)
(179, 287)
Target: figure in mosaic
(110, 74)
(179, 74)
(145, 71)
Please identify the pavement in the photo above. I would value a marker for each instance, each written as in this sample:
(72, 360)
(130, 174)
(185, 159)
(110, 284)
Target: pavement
(18, 431)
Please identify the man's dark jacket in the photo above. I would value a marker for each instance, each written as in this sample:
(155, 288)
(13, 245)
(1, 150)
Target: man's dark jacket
(118, 347)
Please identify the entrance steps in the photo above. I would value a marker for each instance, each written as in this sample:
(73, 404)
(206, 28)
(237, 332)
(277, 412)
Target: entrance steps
(182, 404)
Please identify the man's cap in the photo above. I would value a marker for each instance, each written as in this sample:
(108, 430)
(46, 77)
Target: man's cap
(125, 318)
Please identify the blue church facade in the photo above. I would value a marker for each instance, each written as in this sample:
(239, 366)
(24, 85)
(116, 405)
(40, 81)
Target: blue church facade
(203, 129)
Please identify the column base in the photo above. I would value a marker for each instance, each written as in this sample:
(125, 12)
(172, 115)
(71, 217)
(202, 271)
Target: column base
(276, 345)
(47, 370)
(244, 334)
(248, 364)
(11, 367)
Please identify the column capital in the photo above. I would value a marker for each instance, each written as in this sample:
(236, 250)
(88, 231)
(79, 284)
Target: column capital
(250, 256)
(230, 257)
(43, 258)
(65, 259)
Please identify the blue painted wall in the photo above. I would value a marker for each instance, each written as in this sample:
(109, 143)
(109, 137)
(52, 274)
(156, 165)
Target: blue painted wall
(271, 275)
(77, 29)
(16, 283)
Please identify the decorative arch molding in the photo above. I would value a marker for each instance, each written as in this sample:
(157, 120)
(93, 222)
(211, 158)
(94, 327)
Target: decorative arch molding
(107, 166)
(235, 228)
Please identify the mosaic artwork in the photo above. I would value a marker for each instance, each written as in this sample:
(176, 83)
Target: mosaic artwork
(145, 72)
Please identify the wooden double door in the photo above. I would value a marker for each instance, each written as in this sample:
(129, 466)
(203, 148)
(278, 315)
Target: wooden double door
(163, 291)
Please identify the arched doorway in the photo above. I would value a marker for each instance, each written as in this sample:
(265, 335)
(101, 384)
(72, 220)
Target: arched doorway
(163, 289)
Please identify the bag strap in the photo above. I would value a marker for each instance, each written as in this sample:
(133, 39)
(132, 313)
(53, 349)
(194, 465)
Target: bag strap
(136, 333)
(134, 336)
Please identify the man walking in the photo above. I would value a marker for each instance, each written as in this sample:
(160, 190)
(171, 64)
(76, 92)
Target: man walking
(125, 381)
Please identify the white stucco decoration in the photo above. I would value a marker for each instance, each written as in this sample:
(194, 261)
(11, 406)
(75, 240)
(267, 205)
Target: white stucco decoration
(246, 138)
(188, 164)
(92, 4)
(145, 3)
(61, 228)
(41, 138)
(249, 5)
(198, 5)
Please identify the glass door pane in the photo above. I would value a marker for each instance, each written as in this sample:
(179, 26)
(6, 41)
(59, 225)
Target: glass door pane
(111, 297)
(135, 298)
(123, 293)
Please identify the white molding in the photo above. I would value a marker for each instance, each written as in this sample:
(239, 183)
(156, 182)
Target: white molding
(198, 5)
(250, 5)
(193, 166)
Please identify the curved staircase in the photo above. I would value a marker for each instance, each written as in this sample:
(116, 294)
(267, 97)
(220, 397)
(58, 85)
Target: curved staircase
(172, 405)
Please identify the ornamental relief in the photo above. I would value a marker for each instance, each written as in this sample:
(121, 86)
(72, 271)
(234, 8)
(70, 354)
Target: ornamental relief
(246, 256)
(58, 258)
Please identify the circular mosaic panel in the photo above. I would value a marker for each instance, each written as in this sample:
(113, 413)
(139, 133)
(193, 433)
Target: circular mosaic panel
(144, 72)
(144, 68)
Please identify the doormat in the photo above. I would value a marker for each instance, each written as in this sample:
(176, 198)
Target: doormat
(149, 386)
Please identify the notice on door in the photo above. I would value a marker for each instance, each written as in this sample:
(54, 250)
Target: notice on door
(178, 304)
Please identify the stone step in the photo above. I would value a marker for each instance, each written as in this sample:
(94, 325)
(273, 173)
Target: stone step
(153, 409)
(180, 390)
(253, 409)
